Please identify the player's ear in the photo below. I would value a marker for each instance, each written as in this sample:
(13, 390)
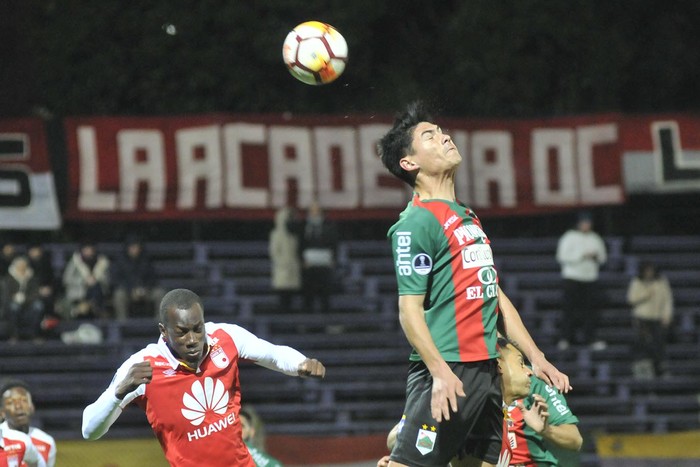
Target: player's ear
(408, 164)
(500, 362)
(161, 328)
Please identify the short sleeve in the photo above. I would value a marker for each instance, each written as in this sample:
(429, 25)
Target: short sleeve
(413, 245)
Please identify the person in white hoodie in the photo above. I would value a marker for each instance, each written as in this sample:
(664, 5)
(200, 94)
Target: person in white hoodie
(581, 252)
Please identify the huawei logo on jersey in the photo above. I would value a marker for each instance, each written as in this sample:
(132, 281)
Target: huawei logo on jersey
(212, 396)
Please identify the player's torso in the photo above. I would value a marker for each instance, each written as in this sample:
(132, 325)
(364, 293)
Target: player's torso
(42, 441)
(197, 413)
(12, 453)
(444, 242)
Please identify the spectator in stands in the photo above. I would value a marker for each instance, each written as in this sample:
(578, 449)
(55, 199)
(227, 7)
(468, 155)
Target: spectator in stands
(40, 262)
(449, 305)
(17, 409)
(8, 251)
(651, 298)
(136, 291)
(581, 252)
(249, 426)
(21, 303)
(319, 244)
(17, 449)
(285, 259)
(189, 384)
(86, 282)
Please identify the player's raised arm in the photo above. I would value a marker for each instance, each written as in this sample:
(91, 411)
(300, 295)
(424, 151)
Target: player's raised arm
(126, 385)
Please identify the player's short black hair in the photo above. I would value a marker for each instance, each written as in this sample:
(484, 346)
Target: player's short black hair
(11, 383)
(181, 299)
(396, 143)
(501, 343)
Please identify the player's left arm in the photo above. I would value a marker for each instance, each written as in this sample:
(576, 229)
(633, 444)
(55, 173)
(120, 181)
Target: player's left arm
(51, 461)
(280, 358)
(516, 332)
(560, 427)
(565, 436)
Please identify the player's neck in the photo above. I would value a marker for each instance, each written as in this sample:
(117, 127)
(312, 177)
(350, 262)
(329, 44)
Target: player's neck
(439, 186)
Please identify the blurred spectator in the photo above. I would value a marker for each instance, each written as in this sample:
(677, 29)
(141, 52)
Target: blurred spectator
(319, 245)
(250, 426)
(86, 282)
(40, 262)
(136, 290)
(581, 252)
(7, 254)
(23, 308)
(285, 259)
(651, 298)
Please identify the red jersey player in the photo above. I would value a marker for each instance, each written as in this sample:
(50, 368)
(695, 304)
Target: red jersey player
(188, 384)
(16, 449)
(17, 408)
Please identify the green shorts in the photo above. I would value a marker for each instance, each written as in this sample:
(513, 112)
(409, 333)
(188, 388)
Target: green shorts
(476, 430)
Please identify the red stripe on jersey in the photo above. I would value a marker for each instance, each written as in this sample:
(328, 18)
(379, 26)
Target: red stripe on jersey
(468, 313)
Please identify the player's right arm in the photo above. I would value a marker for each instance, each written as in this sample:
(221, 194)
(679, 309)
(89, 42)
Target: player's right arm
(128, 383)
(446, 385)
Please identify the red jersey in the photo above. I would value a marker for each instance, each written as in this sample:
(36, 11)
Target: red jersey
(42, 441)
(16, 447)
(194, 414)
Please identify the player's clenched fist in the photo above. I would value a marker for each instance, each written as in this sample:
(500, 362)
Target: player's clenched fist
(140, 373)
(312, 367)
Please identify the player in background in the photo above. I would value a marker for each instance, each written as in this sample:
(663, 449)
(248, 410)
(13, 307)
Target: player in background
(449, 304)
(260, 457)
(544, 415)
(516, 380)
(16, 449)
(17, 409)
(188, 385)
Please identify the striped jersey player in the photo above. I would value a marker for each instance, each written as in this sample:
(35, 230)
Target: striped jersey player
(16, 449)
(449, 306)
(188, 385)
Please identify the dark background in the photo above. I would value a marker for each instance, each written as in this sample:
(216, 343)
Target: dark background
(467, 58)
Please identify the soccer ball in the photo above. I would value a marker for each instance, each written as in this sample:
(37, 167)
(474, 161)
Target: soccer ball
(315, 53)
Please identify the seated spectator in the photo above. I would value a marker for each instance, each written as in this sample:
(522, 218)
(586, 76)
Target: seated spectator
(651, 298)
(136, 291)
(86, 282)
(40, 262)
(22, 306)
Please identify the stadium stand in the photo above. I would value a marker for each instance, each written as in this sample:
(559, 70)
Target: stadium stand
(363, 347)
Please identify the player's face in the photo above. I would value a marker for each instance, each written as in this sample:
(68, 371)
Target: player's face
(515, 374)
(433, 151)
(184, 333)
(17, 408)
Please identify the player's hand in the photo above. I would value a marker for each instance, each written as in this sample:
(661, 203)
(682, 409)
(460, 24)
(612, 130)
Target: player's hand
(537, 416)
(140, 373)
(383, 462)
(312, 368)
(550, 375)
(446, 388)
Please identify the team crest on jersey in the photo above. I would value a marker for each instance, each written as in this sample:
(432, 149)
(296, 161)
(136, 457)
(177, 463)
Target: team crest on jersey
(425, 442)
(422, 264)
(219, 357)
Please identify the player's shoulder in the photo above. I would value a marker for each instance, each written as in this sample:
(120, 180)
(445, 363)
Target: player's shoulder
(15, 435)
(41, 435)
(415, 218)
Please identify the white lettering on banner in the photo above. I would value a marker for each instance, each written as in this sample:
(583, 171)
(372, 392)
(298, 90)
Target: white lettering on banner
(133, 172)
(235, 135)
(215, 427)
(90, 198)
(573, 150)
(212, 156)
(501, 171)
(191, 168)
(403, 253)
(476, 256)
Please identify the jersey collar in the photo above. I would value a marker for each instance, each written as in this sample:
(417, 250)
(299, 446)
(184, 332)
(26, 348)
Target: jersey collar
(173, 361)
